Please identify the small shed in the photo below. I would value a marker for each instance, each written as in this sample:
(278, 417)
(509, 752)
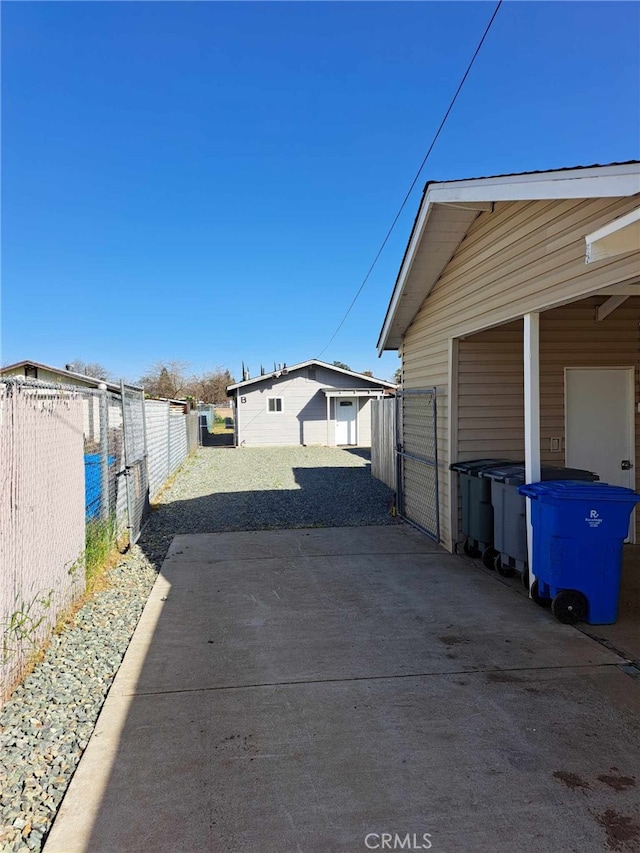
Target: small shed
(308, 403)
(518, 304)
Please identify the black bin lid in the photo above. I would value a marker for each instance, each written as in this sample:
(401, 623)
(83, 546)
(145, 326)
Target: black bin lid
(473, 467)
(514, 474)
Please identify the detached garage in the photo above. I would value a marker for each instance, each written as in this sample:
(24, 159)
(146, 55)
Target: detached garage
(517, 306)
(307, 403)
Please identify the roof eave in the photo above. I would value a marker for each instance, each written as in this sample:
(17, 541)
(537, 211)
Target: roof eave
(618, 180)
(300, 366)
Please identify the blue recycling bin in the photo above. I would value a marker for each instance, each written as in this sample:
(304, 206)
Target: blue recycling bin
(93, 483)
(509, 552)
(579, 529)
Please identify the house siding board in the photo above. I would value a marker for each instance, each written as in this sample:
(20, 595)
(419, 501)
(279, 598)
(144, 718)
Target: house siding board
(523, 257)
(517, 276)
(303, 419)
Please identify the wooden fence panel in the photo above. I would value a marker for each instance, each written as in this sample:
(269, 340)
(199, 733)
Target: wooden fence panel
(383, 440)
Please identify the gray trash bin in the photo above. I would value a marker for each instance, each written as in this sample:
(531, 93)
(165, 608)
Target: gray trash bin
(509, 554)
(477, 510)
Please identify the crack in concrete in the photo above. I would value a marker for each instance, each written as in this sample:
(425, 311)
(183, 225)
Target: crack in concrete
(357, 678)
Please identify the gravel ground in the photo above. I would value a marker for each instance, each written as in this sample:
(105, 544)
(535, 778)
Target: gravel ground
(47, 722)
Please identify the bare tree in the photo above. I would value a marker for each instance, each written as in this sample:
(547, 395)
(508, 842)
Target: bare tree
(170, 379)
(166, 379)
(90, 368)
(212, 387)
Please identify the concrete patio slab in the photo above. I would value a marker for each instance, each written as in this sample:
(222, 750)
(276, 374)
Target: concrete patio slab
(311, 690)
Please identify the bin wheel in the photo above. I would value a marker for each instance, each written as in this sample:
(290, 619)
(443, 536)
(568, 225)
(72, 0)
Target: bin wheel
(570, 606)
(524, 578)
(489, 556)
(501, 569)
(535, 595)
(471, 550)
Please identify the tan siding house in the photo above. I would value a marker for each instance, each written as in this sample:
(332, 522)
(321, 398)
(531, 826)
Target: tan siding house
(510, 288)
(54, 375)
(307, 403)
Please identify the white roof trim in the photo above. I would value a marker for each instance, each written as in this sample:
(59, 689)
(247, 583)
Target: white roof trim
(620, 236)
(312, 362)
(88, 380)
(618, 181)
(353, 392)
(592, 182)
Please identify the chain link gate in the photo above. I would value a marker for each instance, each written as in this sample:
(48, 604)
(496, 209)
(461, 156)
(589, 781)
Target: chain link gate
(417, 460)
(135, 459)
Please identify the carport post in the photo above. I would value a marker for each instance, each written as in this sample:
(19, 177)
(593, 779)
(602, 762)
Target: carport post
(328, 419)
(531, 417)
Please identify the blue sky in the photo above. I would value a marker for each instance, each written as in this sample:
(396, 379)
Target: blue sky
(209, 182)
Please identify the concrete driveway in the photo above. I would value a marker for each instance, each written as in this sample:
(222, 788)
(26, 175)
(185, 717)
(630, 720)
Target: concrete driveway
(354, 689)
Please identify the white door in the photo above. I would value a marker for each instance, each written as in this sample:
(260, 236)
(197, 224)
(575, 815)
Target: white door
(346, 417)
(600, 422)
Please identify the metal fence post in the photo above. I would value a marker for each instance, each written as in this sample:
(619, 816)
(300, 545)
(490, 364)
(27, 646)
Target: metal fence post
(127, 470)
(168, 439)
(104, 451)
(144, 437)
(398, 440)
(435, 459)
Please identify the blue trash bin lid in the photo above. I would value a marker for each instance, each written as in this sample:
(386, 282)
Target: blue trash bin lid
(577, 490)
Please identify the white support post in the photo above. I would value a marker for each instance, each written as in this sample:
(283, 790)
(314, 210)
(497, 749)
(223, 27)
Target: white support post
(531, 417)
(454, 521)
(328, 419)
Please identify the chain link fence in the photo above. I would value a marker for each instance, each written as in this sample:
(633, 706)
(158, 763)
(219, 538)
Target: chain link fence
(417, 455)
(76, 476)
(135, 459)
(171, 437)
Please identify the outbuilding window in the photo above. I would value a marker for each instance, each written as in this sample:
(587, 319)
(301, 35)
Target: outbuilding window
(274, 404)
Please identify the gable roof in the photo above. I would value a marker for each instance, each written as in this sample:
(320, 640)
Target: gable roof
(69, 374)
(448, 209)
(312, 362)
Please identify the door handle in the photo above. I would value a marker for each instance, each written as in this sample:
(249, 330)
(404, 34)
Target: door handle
(626, 464)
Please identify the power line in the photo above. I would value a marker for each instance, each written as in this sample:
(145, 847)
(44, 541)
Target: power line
(415, 180)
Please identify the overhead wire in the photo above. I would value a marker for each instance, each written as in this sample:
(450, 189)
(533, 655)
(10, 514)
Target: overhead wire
(415, 180)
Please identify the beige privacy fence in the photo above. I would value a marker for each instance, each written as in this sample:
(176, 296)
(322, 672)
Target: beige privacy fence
(383, 441)
(75, 467)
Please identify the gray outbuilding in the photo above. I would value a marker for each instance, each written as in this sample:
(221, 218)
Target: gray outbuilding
(308, 403)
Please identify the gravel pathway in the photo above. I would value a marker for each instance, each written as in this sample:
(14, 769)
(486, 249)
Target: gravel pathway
(47, 722)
